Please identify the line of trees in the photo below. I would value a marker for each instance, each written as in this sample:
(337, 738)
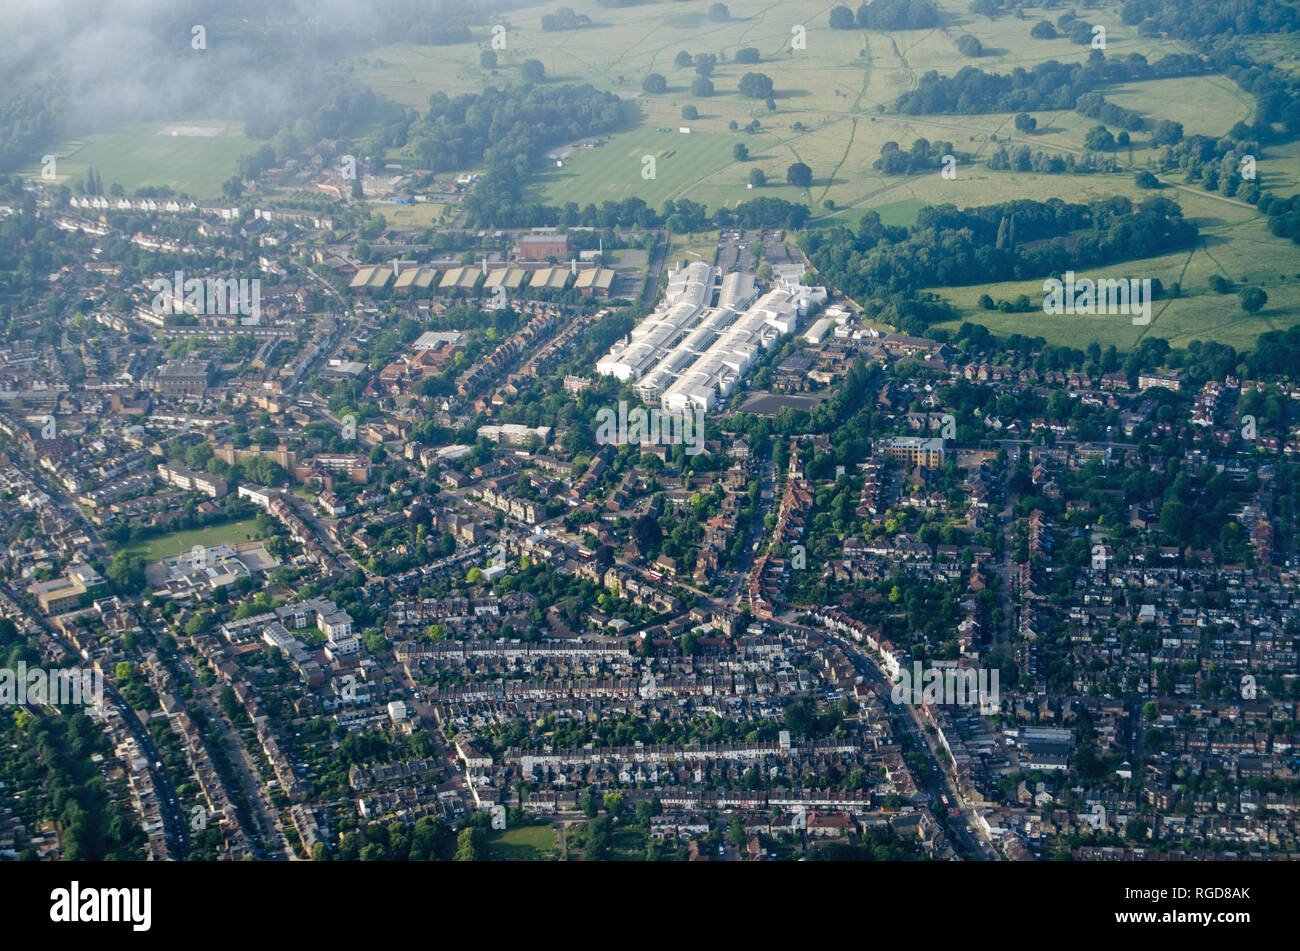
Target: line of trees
(1049, 85)
(887, 15)
(950, 247)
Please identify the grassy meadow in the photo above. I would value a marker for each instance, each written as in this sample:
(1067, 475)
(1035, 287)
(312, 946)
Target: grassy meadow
(832, 93)
(147, 153)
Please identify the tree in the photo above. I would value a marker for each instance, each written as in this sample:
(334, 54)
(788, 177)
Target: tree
(488, 59)
(690, 112)
(647, 533)
(1043, 30)
(683, 59)
(757, 177)
(598, 840)
(756, 85)
(1099, 139)
(701, 87)
(719, 13)
(1252, 299)
(655, 84)
(1167, 132)
(1176, 519)
(740, 152)
(533, 71)
(967, 45)
(1025, 123)
(842, 19)
(1145, 179)
(466, 846)
(747, 54)
(736, 831)
(799, 175)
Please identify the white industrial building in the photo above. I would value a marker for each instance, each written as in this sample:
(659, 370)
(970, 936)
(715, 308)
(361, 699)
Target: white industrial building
(689, 291)
(691, 352)
(720, 368)
(789, 277)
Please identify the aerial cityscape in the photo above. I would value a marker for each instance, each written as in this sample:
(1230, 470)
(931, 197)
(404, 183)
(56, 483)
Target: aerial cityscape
(496, 430)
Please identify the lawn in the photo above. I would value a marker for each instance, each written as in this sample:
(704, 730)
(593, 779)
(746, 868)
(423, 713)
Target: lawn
(1235, 244)
(148, 154)
(233, 533)
(831, 98)
(521, 844)
(689, 247)
(411, 217)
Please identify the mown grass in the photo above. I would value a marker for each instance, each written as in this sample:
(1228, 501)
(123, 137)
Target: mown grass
(138, 155)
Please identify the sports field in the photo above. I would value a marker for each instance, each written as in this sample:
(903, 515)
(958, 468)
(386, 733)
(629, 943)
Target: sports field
(232, 533)
(191, 156)
(422, 215)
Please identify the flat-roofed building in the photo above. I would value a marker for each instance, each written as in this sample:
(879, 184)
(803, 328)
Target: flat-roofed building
(514, 434)
(192, 480)
(433, 339)
(928, 452)
(73, 590)
(355, 467)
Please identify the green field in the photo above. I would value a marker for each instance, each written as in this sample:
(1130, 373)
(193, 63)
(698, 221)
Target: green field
(831, 113)
(1234, 243)
(147, 154)
(233, 533)
(689, 247)
(830, 96)
(520, 844)
(423, 215)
